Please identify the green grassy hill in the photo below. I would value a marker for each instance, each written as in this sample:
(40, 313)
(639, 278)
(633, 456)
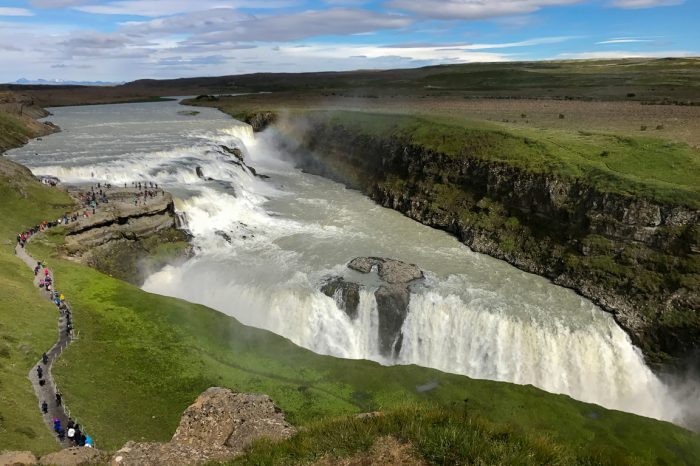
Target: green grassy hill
(27, 320)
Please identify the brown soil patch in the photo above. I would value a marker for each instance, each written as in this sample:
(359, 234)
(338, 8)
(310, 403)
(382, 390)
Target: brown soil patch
(386, 451)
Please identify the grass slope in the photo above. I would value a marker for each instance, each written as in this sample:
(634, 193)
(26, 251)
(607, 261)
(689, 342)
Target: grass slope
(436, 434)
(27, 321)
(645, 167)
(13, 132)
(142, 358)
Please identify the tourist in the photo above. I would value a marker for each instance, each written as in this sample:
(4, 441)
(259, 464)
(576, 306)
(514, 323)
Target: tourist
(59, 399)
(44, 407)
(39, 371)
(45, 358)
(56, 424)
(70, 433)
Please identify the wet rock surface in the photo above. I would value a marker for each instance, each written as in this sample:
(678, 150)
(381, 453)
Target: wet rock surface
(219, 425)
(393, 296)
(345, 293)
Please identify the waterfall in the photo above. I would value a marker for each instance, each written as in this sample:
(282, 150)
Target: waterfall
(264, 247)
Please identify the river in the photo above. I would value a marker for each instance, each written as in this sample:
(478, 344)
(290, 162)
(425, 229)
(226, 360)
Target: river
(264, 246)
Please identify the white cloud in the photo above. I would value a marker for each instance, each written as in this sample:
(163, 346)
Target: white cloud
(625, 40)
(614, 54)
(474, 9)
(634, 4)
(431, 54)
(57, 3)
(156, 8)
(296, 26)
(523, 43)
(7, 11)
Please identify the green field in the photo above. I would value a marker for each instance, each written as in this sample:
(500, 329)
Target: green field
(636, 166)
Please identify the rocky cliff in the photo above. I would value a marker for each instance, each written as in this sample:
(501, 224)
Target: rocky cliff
(126, 240)
(635, 258)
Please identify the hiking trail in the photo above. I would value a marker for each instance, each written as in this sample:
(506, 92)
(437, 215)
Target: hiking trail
(48, 391)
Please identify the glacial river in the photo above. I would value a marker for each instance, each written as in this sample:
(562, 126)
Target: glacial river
(474, 315)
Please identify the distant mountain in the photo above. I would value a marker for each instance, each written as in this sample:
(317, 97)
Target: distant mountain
(60, 82)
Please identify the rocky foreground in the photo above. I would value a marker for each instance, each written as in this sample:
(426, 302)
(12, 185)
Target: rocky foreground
(218, 426)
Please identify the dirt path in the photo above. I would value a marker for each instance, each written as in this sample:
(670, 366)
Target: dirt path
(48, 391)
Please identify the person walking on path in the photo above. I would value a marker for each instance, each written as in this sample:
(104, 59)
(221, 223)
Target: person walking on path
(45, 358)
(59, 398)
(44, 407)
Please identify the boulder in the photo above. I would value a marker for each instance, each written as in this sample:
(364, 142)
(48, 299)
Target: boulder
(393, 271)
(235, 151)
(218, 426)
(17, 458)
(345, 293)
(390, 270)
(76, 456)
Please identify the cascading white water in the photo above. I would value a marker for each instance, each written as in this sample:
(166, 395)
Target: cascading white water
(264, 246)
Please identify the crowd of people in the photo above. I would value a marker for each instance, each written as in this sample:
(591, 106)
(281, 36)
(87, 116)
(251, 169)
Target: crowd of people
(147, 190)
(90, 200)
(73, 433)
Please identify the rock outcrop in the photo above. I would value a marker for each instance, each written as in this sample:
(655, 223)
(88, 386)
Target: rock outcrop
(240, 161)
(76, 456)
(636, 258)
(118, 238)
(218, 426)
(393, 296)
(260, 120)
(345, 293)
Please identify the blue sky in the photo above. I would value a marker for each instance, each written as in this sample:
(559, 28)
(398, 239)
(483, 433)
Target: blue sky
(121, 40)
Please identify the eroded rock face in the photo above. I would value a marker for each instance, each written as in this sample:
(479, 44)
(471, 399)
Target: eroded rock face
(219, 425)
(345, 293)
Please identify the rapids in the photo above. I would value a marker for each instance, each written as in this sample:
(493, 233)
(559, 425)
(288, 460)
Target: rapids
(264, 246)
